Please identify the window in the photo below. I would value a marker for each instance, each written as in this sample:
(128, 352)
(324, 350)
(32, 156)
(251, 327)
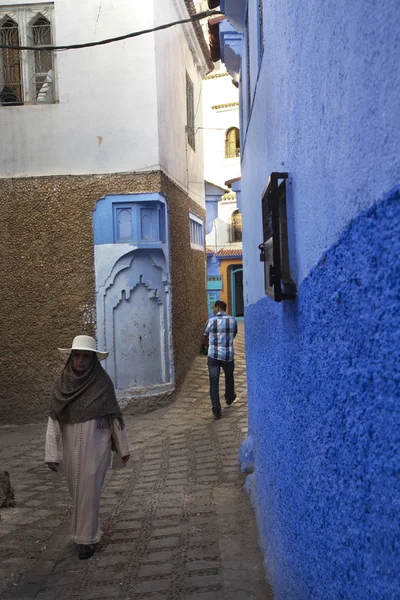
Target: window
(26, 76)
(124, 224)
(139, 223)
(232, 143)
(10, 73)
(196, 232)
(147, 224)
(235, 227)
(190, 127)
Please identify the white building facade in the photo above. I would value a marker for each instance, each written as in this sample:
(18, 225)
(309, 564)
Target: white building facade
(222, 168)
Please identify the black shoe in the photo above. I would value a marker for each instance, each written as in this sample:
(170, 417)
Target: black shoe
(86, 551)
(229, 402)
(217, 415)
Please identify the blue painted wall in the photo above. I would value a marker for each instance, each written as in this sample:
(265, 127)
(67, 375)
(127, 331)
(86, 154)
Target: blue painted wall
(323, 371)
(133, 292)
(325, 108)
(325, 426)
(211, 212)
(213, 270)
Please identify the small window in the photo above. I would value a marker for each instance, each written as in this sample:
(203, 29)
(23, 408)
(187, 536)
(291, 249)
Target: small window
(232, 143)
(124, 224)
(196, 232)
(161, 223)
(10, 64)
(147, 224)
(26, 77)
(190, 116)
(235, 227)
(42, 73)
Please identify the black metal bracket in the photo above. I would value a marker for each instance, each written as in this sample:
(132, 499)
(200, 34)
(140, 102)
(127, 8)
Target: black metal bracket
(274, 250)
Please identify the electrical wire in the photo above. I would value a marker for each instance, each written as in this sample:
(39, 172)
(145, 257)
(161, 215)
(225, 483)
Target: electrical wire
(196, 17)
(184, 187)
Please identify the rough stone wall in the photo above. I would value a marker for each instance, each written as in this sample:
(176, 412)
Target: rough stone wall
(323, 378)
(188, 270)
(47, 278)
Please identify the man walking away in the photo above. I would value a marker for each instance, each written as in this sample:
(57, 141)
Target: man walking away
(218, 336)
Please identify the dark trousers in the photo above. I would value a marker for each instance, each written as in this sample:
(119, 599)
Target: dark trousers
(214, 367)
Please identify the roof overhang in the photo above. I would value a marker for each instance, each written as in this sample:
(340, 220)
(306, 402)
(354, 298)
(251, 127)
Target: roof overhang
(212, 189)
(235, 11)
(231, 49)
(194, 36)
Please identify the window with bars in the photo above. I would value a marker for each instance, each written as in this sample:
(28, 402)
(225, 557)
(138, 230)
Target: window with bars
(190, 116)
(196, 232)
(232, 143)
(26, 76)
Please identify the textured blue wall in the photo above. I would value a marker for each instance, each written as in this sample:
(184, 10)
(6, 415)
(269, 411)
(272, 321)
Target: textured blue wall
(326, 109)
(324, 417)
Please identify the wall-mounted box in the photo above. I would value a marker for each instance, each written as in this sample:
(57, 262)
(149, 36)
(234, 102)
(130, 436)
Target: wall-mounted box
(275, 249)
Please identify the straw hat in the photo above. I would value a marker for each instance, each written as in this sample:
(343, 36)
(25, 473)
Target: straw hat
(84, 342)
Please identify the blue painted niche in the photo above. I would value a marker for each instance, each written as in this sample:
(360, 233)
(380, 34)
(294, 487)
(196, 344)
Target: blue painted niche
(133, 296)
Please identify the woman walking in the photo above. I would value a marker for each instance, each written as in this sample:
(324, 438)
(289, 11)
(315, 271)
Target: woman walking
(84, 421)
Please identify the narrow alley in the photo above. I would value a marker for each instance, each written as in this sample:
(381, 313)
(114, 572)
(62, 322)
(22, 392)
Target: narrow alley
(176, 521)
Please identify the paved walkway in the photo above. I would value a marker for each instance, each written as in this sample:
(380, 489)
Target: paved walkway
(176, 521)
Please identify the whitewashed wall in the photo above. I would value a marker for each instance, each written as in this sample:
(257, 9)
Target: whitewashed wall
(217, 91)
(219, 235)
(105, 120)
(174, 56)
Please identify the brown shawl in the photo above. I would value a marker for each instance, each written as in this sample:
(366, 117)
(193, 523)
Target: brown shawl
(79, 398)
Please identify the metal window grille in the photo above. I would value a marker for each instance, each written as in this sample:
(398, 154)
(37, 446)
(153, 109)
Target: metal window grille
(10, 65)
(26, 76)
(196, 233)
(42, 69)
(190, 127)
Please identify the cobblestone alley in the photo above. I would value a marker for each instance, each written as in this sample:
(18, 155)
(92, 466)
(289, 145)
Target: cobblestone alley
(176, 521)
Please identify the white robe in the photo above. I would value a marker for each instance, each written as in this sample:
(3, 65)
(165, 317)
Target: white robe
(85, 452)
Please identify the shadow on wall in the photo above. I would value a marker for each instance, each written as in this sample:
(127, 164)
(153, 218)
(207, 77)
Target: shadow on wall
(325, 423)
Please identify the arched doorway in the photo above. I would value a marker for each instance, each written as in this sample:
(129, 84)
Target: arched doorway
(133, 296)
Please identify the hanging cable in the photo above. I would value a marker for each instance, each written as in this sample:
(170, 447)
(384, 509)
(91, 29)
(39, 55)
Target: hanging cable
(196, 17)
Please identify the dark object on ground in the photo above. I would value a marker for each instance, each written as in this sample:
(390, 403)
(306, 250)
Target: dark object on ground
(6, 491)
(86, 551)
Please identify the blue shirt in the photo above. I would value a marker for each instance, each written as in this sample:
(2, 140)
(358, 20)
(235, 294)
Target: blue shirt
(221, 330)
